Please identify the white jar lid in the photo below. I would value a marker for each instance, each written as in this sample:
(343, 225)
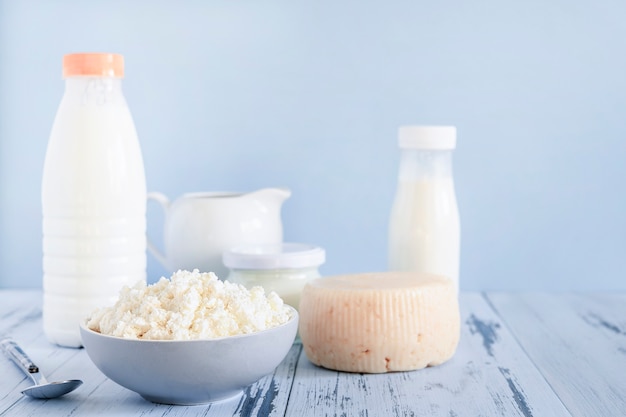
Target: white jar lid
(274, 256)
(427, 137)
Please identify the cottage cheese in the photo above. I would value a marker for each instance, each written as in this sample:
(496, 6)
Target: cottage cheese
(190, 305)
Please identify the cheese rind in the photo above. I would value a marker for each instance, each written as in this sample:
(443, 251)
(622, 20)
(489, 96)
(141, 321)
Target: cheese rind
(379, 322)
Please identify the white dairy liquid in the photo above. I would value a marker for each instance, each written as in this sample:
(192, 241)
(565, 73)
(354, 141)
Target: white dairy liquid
(424, 229)
(94, 207)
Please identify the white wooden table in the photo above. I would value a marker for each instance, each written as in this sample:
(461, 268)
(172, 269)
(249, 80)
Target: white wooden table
(521, 354)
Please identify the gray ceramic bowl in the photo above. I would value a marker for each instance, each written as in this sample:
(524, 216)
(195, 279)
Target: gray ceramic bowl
(192, 371)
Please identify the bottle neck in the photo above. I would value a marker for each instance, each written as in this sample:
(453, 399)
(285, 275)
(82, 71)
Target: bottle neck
(94, 90)
(418, 164)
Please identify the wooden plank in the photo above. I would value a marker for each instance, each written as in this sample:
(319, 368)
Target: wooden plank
(20, 315)
(269, 396)
(490, 375)
(577, 341)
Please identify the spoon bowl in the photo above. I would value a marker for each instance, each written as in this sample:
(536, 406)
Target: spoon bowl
(52, 389)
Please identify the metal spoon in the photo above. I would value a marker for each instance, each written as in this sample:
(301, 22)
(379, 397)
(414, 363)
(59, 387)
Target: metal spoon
(42, 388)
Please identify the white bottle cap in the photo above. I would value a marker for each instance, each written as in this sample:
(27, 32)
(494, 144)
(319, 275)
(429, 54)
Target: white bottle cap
(427, 137)
(274, 256)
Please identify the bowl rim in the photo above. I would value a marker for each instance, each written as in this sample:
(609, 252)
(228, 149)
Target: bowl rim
(293, 312)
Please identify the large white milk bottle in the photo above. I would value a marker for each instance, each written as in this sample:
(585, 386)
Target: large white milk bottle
(424, 226)
(93, 198)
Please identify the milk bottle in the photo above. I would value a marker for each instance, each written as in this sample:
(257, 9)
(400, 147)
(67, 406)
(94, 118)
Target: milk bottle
(93, 197)
(424, 227)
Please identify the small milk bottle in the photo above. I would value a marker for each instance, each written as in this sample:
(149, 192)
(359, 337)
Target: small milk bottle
(93, 198)
(424, 226)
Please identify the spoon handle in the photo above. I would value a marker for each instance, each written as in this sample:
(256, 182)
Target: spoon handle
(20, 358)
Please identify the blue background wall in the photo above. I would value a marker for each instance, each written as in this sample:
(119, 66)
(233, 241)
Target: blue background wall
(239, 95)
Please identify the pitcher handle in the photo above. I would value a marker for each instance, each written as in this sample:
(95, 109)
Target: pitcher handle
(164, 202)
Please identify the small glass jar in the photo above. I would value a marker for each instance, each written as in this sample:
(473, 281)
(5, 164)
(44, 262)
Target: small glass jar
(284, 268)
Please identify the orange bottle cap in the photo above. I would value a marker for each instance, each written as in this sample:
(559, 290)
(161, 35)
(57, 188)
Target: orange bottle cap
(94, 65)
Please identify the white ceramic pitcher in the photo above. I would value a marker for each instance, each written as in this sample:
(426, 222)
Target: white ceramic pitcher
(199, 227)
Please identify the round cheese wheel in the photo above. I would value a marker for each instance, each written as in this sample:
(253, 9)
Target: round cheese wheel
(379, 322)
